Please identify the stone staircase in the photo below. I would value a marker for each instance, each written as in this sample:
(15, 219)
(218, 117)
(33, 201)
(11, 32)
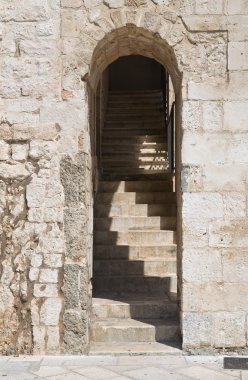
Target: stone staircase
(134, 281)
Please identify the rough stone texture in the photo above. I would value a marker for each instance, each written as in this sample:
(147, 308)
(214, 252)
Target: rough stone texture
(53, 54)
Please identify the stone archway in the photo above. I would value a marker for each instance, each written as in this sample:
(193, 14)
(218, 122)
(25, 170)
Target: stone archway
(93, 38)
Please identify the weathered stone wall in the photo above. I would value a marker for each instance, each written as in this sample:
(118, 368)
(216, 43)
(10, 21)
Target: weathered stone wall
(52, 54)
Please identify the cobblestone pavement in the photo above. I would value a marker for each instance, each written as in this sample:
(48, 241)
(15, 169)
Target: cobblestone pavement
(117, 368)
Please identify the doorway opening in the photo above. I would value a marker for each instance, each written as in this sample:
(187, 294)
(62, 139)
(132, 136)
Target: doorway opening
(135, 245)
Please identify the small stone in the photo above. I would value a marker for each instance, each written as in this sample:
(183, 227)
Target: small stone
(39, 334)
(4, 151)
(36, 260)
(45, 290)
(49, 275)
(50, 311)
(53, 340)
(33, 274)
(53, 261)
(19, 152)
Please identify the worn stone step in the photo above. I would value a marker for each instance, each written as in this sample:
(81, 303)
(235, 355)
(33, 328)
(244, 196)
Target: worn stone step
(128, 173)
(142, 147)
(142, 238)
(135, 186)
(126, 210)
(136, 348)
(133, 162)
(165, 252)
(137, 284)
(147, 267)
(121, 156)
(131, 330)
(135, 198)
(133, 125)
(141, 176)
(132, 306)
(141, 139)
(122, 166)
(135, 223)
(123, 132)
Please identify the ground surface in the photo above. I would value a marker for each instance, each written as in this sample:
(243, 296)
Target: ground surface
(171, 367)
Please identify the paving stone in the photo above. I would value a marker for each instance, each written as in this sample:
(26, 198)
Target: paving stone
(96, 373)
(202, 373)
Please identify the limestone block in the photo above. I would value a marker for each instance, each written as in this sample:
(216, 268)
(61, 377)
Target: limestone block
(72, 3)
(192, 115)
(92, 3)
(53, 214)
(237, 7)
(36, 260)
(24, 10)
(45, 290)
(209, 7)
(75, 286)
(213, 297)
(235, 265)
(114, 3)
(205, 23)
(16, 171)
(53, 340)
(39, 336)
(224, 326)
(202, 206)
(238, 55)
(24, 132)
(196, 329)
(202, 148)
(53, 261)
(228, 233)
(201, 265)
(237, 152)
(35, 215)
(236, 90)
(216, 177)
(75, 232)
(236, 116)
(50, 311)
(195, 233)
(76, 334)
(234, 205)
(35, 194)
(4, 151)
(33, 274)
(191, 179)
(19, 152)
(74, 175)
(49, 275)
(212, 116)
(47, 49)
(213, 330)
(51, 245)
(35, 316)
(73, 21)
(207, 90)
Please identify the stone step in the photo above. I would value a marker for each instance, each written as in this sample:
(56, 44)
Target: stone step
(148, 267)
(137, 284)
(126, 210)
(135, 186)
(138, 107)
(135, 198)
(123, 132)
(141, 175)
(136, 348)
(142, 238)
(141, 139)
(145, 118)
(135, 223)
(135, 149)
(130, 306)
(127, 173)
(131, 330)
(122, 156)
(122, 165)
(165, 252)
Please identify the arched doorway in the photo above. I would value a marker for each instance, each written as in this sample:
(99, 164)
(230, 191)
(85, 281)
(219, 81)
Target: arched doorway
(135, 246)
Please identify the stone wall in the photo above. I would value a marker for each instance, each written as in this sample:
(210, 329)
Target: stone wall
(52, 54)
